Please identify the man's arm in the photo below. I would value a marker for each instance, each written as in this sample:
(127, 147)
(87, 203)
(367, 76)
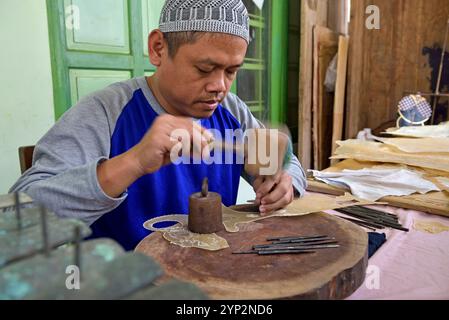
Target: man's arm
(72, 174)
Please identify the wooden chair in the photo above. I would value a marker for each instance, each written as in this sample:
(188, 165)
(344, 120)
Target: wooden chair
(26, 158)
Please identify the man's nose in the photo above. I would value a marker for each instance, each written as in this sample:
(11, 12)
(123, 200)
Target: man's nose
(217, 83)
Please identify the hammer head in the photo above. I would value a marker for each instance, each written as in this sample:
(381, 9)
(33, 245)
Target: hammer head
(267, 152)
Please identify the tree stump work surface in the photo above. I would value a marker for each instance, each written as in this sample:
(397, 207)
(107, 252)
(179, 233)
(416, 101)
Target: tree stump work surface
(333, 273)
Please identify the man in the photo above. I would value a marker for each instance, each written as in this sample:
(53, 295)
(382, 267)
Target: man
(107, 160)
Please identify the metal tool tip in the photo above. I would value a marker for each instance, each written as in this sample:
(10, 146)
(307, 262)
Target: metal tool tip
(205, 188)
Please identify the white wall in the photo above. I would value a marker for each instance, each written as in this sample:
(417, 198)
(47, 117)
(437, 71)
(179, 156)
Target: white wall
(26, 92)
(246, 192)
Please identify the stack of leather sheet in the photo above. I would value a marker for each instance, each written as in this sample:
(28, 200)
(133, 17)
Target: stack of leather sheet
(424, 151)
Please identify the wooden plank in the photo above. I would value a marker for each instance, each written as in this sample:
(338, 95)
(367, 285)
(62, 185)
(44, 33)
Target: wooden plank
(313, 12)
(308, 18)
(340, 91)
(26, 158)
(326, 274)
(355, 66)
(325, 48)
(322, 10)
(315, 98)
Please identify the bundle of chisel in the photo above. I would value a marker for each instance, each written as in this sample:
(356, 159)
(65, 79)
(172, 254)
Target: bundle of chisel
(371, 219)
(293, 245)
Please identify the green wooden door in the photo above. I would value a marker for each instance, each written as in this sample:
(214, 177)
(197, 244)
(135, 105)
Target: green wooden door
(97, 43)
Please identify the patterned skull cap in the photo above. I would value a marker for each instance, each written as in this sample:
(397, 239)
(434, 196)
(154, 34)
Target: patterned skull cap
(222, 16)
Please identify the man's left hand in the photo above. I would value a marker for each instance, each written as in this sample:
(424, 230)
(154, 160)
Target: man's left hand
(274, 192)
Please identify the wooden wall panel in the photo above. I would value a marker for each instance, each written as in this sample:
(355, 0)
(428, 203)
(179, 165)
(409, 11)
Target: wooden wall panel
(325, 45)
(384, 64)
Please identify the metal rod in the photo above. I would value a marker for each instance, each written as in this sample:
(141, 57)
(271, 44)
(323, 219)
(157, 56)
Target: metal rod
(280, 245)
(377, 212)
(374, 210)
(360, 215)
(383, 217)
(440, 72)
(374, 216)
(294, 238)
(359, 222)
(266, 253)
(364, 209)
(46, 245)
(376, 222)
(311, 247)
(77, 239)
(397, 227)
(274, 252)
(246, 252)
(302, 241)
(18, 213)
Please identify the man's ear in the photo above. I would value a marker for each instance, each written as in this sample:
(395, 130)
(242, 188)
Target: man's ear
(157, 47)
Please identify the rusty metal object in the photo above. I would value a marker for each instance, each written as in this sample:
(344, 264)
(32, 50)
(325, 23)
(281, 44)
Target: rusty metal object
(38, 251)
(44, 225)
(205, 215)
(18, 213)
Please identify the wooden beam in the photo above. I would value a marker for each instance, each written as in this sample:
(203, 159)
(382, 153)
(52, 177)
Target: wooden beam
(313, 12)
(325, 47)
(340, 91)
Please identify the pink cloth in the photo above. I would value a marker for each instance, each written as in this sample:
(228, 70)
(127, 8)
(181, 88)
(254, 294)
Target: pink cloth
(413, 265)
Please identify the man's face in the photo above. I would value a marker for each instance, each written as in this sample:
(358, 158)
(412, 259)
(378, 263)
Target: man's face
(200, 75)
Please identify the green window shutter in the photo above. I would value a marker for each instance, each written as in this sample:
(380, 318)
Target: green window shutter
(262, 81)
(251, 82)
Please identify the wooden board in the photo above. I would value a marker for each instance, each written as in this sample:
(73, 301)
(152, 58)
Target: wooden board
(313, 12)
(340, 91)
(399, 57)
(325, 274)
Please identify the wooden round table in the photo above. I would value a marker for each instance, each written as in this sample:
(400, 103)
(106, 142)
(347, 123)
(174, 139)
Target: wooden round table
(333, 273)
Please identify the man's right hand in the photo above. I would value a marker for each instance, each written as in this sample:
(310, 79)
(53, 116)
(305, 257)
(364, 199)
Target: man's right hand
(151, 153)
(154, 151)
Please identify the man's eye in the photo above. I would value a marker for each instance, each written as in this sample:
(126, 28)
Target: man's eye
(203, 71)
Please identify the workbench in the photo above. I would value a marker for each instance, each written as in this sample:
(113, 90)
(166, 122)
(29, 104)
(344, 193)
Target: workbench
(410, 265)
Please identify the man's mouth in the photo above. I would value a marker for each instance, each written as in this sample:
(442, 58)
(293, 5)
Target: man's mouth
(210, 104)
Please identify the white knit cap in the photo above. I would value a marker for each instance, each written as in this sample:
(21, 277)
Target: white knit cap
(223, 16)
